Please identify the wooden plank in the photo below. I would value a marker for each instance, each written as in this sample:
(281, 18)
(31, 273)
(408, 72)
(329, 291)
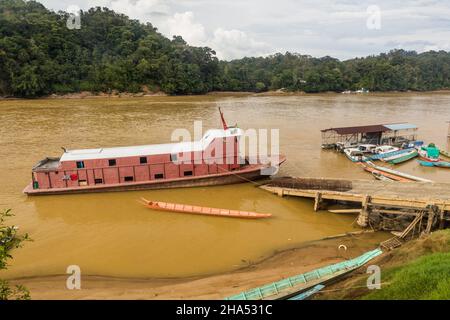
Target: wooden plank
(412, 225)
(395, 200)
(345, 211)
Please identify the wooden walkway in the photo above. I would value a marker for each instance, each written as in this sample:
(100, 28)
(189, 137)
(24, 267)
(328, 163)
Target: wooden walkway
(378, 203)
(416, 195)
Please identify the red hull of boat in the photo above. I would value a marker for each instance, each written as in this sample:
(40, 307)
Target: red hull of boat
(245, 174)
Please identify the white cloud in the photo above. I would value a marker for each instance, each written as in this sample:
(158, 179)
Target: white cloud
(138, 9)
(183, 24)
(228, 44)
(236, 28)
(232, 44)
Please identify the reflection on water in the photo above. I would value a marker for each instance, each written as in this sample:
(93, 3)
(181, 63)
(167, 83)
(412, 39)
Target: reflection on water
(112, 234)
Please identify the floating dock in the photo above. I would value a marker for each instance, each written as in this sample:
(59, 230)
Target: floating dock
(384, 205)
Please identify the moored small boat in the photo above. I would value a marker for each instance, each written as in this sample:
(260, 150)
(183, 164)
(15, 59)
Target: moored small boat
(382, 152)
(395, 173)
(185, 208)
(384, 176)
(355, 155)
(429, 153)
(439, 164)
(407, 155)
(379, 176)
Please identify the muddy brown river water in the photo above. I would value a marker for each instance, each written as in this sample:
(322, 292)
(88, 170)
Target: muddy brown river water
(111, 234)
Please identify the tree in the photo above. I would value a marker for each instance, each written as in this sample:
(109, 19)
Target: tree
(10, 240)
(39, 55)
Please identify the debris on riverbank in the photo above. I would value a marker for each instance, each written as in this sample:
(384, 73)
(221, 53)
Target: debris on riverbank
(417, 270)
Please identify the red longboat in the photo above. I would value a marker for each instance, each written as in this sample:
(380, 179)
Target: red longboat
(148, 167)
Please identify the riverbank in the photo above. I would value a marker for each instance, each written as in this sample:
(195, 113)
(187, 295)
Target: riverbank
(271, 93)
(280, 265)
(417, 270)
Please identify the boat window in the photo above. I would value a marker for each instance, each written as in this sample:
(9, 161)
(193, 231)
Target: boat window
(173, 157)
(80, 164)
(143, 160)
(112, 162)
(159, 176)
(98, 181)
(128, 178)
(187, 173)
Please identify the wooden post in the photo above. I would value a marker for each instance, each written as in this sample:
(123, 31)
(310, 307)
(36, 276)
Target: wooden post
(441, 217)
(431, 214)
(280, 192)
(317, 201)
(363, 217)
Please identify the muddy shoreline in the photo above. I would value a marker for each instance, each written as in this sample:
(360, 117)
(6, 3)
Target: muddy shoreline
(282, 264)
(99, 95)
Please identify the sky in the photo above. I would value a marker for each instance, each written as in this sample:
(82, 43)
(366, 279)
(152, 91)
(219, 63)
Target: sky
(342, 29)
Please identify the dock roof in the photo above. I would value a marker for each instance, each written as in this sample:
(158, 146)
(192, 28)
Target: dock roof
(359, 129)
(372, 128)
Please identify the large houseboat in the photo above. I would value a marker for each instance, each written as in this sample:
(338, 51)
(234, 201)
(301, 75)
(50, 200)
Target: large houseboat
(214, 160)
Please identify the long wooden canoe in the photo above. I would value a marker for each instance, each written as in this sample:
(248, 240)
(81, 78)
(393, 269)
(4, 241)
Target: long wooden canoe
(388, 175)
(185, 208)
(397, 173)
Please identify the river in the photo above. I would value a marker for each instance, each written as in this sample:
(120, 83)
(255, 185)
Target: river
(112, 234)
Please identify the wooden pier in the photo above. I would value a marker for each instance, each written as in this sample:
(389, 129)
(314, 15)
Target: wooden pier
(406, 208)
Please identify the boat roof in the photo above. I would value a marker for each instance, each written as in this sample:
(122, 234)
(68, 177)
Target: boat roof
(372, 128)
(147, 150)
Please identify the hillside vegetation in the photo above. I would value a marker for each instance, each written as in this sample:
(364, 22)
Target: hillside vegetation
(39, 55)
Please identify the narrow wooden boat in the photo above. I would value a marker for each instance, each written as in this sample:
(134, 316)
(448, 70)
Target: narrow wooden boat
(308, 294)
(403, 157)
(442, 164)
(378, 174)
(439, 164)
(407, 176)
(185, 208)
(295, 285)
(425, 163)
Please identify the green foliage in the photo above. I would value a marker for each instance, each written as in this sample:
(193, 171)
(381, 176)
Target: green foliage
(39, 55)
(9, 240)
(427, 278)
